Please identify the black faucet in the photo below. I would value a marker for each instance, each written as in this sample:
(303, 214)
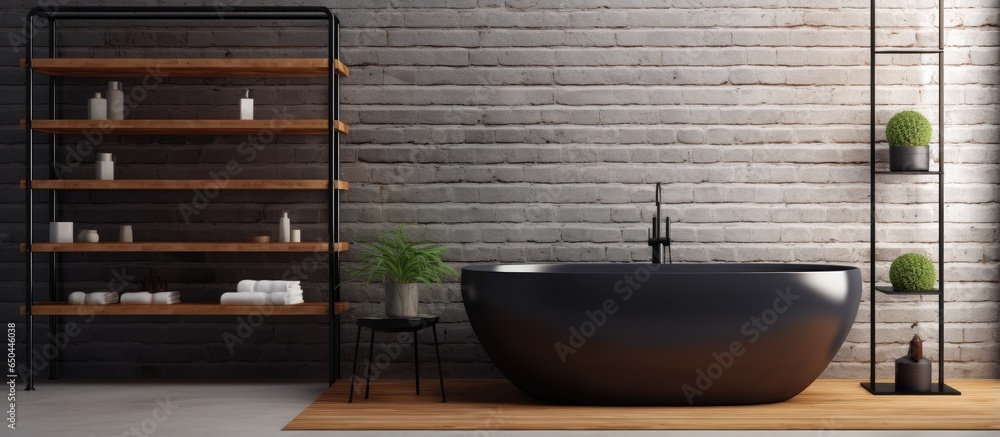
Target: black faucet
(656, 240)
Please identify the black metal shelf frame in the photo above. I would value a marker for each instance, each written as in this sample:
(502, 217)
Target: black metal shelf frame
(55, 15)
(889, 388)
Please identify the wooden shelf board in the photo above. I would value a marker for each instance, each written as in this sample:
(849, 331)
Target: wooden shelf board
(141, 67)
(185, 247)
(184, 309)
(185, 127)
(887, 289)
(178, 184)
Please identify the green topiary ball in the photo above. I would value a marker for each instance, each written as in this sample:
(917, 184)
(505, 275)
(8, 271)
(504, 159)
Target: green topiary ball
(912, 272)
(908, 128)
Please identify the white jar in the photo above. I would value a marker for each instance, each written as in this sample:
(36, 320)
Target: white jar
(61, 232)
(92, 236)
(105, 168)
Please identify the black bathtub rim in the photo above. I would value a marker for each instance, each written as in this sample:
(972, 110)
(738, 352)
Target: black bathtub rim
(673, 269)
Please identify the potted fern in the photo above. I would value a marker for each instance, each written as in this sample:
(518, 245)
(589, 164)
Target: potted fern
(402, 265)
(909, 135)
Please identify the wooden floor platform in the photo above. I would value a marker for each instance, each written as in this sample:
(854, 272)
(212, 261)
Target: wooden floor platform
(829, 404)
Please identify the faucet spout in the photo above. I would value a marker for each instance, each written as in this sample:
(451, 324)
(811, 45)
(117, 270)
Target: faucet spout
(658, 240)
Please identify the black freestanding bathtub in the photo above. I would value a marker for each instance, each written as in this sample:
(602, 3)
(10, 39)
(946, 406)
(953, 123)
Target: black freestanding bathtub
(661, 334)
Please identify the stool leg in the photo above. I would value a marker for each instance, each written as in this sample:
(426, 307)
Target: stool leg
(371, 350)
(354, 367)
(437, 352)
(416, 364)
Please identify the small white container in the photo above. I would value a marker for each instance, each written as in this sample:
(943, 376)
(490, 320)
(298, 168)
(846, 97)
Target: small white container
(97, 108)
(125, 234)
(105, 167)
(284, 228)
(105, 170)
(116, 101)
(296, 235)
(91, 236)
(61, 232)
(246, 106)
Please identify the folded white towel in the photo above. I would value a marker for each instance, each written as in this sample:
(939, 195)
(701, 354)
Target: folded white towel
(137, 298)
(101, 298)
(77, 298)
(166, 298)
(258, 298)
(266, 286)
(285, 298)
(244, 298)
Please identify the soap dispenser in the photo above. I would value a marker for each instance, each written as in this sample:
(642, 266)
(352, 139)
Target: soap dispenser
(246, 106)
(97, 108)
(284, 228)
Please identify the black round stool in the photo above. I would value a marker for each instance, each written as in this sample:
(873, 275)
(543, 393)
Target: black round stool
(391, 324)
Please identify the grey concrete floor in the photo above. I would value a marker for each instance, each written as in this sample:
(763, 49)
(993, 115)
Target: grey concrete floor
(204, 408)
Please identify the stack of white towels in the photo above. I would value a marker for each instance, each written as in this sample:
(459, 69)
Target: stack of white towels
(147, 298)
(264, 292)
(95, 298)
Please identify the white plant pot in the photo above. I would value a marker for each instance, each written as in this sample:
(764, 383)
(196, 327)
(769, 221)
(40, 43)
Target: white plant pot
(91, 236)
(401, 300)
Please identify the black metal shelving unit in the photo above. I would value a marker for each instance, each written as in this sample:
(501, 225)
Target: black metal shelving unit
(889, 388)
(50, 17)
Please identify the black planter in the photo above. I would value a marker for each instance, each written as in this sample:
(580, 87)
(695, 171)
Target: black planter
(909, 158)
(913, 376)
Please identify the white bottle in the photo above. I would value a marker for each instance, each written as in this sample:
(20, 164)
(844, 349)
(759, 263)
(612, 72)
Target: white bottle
(125, 234)
(105, 167)
(97, 108)
(116, 101)
(284, 228)
(246, 106)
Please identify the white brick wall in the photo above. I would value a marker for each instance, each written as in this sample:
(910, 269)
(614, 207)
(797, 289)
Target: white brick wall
(523, 130)
(533, 131)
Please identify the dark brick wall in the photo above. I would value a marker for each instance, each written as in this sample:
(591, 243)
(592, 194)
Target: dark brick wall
(269, 346)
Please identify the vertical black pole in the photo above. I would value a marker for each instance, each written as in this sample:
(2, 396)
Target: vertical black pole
(333, 52)
(336, 193)
(941, 196)
(29, 219)
(54, 321)
(872, 272)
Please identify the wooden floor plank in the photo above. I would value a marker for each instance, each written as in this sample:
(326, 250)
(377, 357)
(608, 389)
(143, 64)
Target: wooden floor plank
(493, 404)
